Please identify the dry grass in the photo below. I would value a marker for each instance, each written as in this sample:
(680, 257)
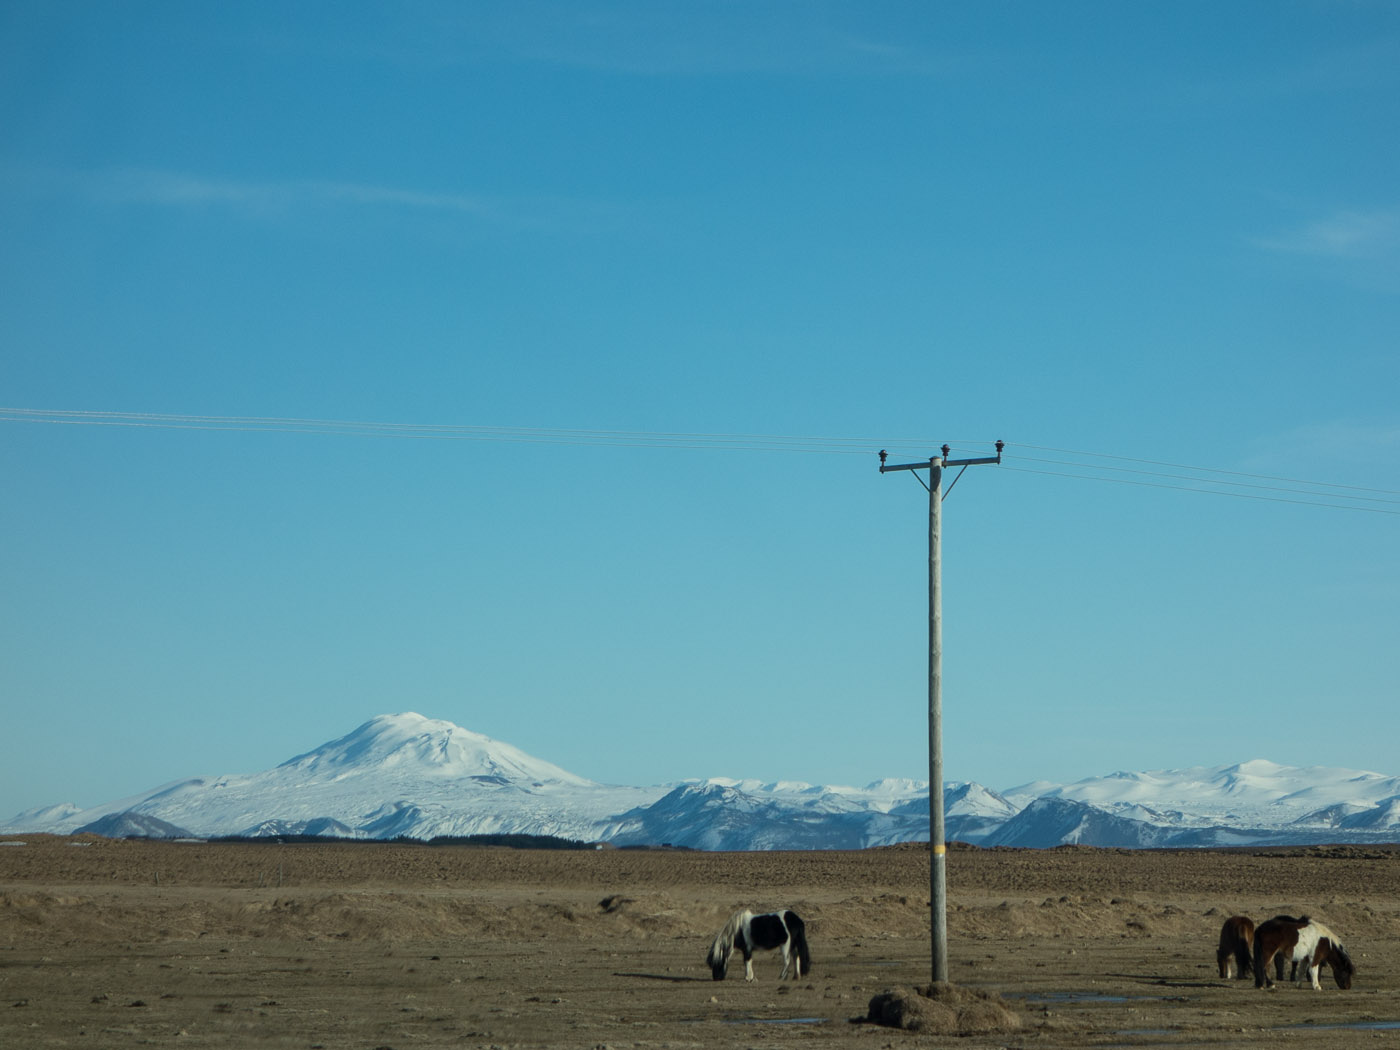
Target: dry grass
(375, 945)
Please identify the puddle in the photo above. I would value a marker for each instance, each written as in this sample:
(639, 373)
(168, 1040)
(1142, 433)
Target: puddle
(777, 1020)
(1086, 997)
(1135, 1032)
(1351, 1026)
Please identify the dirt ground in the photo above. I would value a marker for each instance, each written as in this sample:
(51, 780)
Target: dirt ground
(111, 944)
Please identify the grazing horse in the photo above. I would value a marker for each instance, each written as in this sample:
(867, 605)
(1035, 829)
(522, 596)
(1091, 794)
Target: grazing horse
(1304, 941)
(749, 933)
(1236, 952)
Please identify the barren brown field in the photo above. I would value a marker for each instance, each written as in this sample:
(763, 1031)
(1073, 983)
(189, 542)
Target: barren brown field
(108, 943)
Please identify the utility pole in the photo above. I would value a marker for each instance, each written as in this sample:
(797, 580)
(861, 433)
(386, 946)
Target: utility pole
(937, 838)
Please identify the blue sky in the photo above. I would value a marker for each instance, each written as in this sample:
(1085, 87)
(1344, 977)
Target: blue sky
(666, 276)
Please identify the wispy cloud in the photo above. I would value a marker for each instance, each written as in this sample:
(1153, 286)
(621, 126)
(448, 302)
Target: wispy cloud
(183, 189)
(273, 199)
(1342, 235)
(1344, 437)
(644, 38)
(1355, 456)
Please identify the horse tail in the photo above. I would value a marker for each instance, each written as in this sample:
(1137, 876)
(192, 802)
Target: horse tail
(1236, 947)
(797, 930)
(1273, 940)
(1260, 960)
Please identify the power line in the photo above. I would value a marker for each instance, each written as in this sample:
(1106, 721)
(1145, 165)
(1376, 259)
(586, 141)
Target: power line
(1208, 480)
(1206, 492)
(451, 432)
(1237, 484)
(1205, 470)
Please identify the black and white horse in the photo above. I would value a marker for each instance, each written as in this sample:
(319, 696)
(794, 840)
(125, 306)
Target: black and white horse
(748, 933)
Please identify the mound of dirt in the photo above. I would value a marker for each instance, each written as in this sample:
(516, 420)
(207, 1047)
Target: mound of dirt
(943, 1009)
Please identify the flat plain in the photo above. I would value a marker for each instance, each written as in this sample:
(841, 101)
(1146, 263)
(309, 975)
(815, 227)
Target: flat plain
(117, 943)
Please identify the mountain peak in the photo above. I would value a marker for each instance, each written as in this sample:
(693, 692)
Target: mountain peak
(1258, 767)
(430, 747)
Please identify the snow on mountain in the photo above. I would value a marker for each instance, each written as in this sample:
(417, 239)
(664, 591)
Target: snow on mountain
(723, 814)
(408, 776)
(395, 775)
(45, 815)
(1384, 816)
(128, 825)
(973, 800)
(1052, 821)
(1254, 802)
(971, 812)
(1257, 793)
(426, 748)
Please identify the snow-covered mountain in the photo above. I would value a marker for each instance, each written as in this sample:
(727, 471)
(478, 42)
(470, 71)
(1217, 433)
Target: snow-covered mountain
(1254, 802)
(396, 775)
(409, 776)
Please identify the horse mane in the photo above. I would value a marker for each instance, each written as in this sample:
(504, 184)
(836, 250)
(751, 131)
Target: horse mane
(1340, 960)
(1338, 957)
(724, 940)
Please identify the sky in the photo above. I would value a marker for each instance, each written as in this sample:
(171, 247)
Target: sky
(524, 365)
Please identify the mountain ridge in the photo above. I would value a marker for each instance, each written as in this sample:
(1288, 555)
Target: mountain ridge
(405, 775)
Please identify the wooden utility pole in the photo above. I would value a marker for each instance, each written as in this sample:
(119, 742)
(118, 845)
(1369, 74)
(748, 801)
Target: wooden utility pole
(937, 837)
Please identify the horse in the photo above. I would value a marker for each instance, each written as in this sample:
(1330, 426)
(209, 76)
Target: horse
(1235, 955)
(749, 933)
(1304, 941)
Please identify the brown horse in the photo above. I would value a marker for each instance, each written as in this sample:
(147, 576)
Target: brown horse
(1235, 955)
(1303, 941)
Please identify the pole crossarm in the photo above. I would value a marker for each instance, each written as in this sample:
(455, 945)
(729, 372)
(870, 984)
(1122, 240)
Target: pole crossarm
(885, 468)
(971, 462)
